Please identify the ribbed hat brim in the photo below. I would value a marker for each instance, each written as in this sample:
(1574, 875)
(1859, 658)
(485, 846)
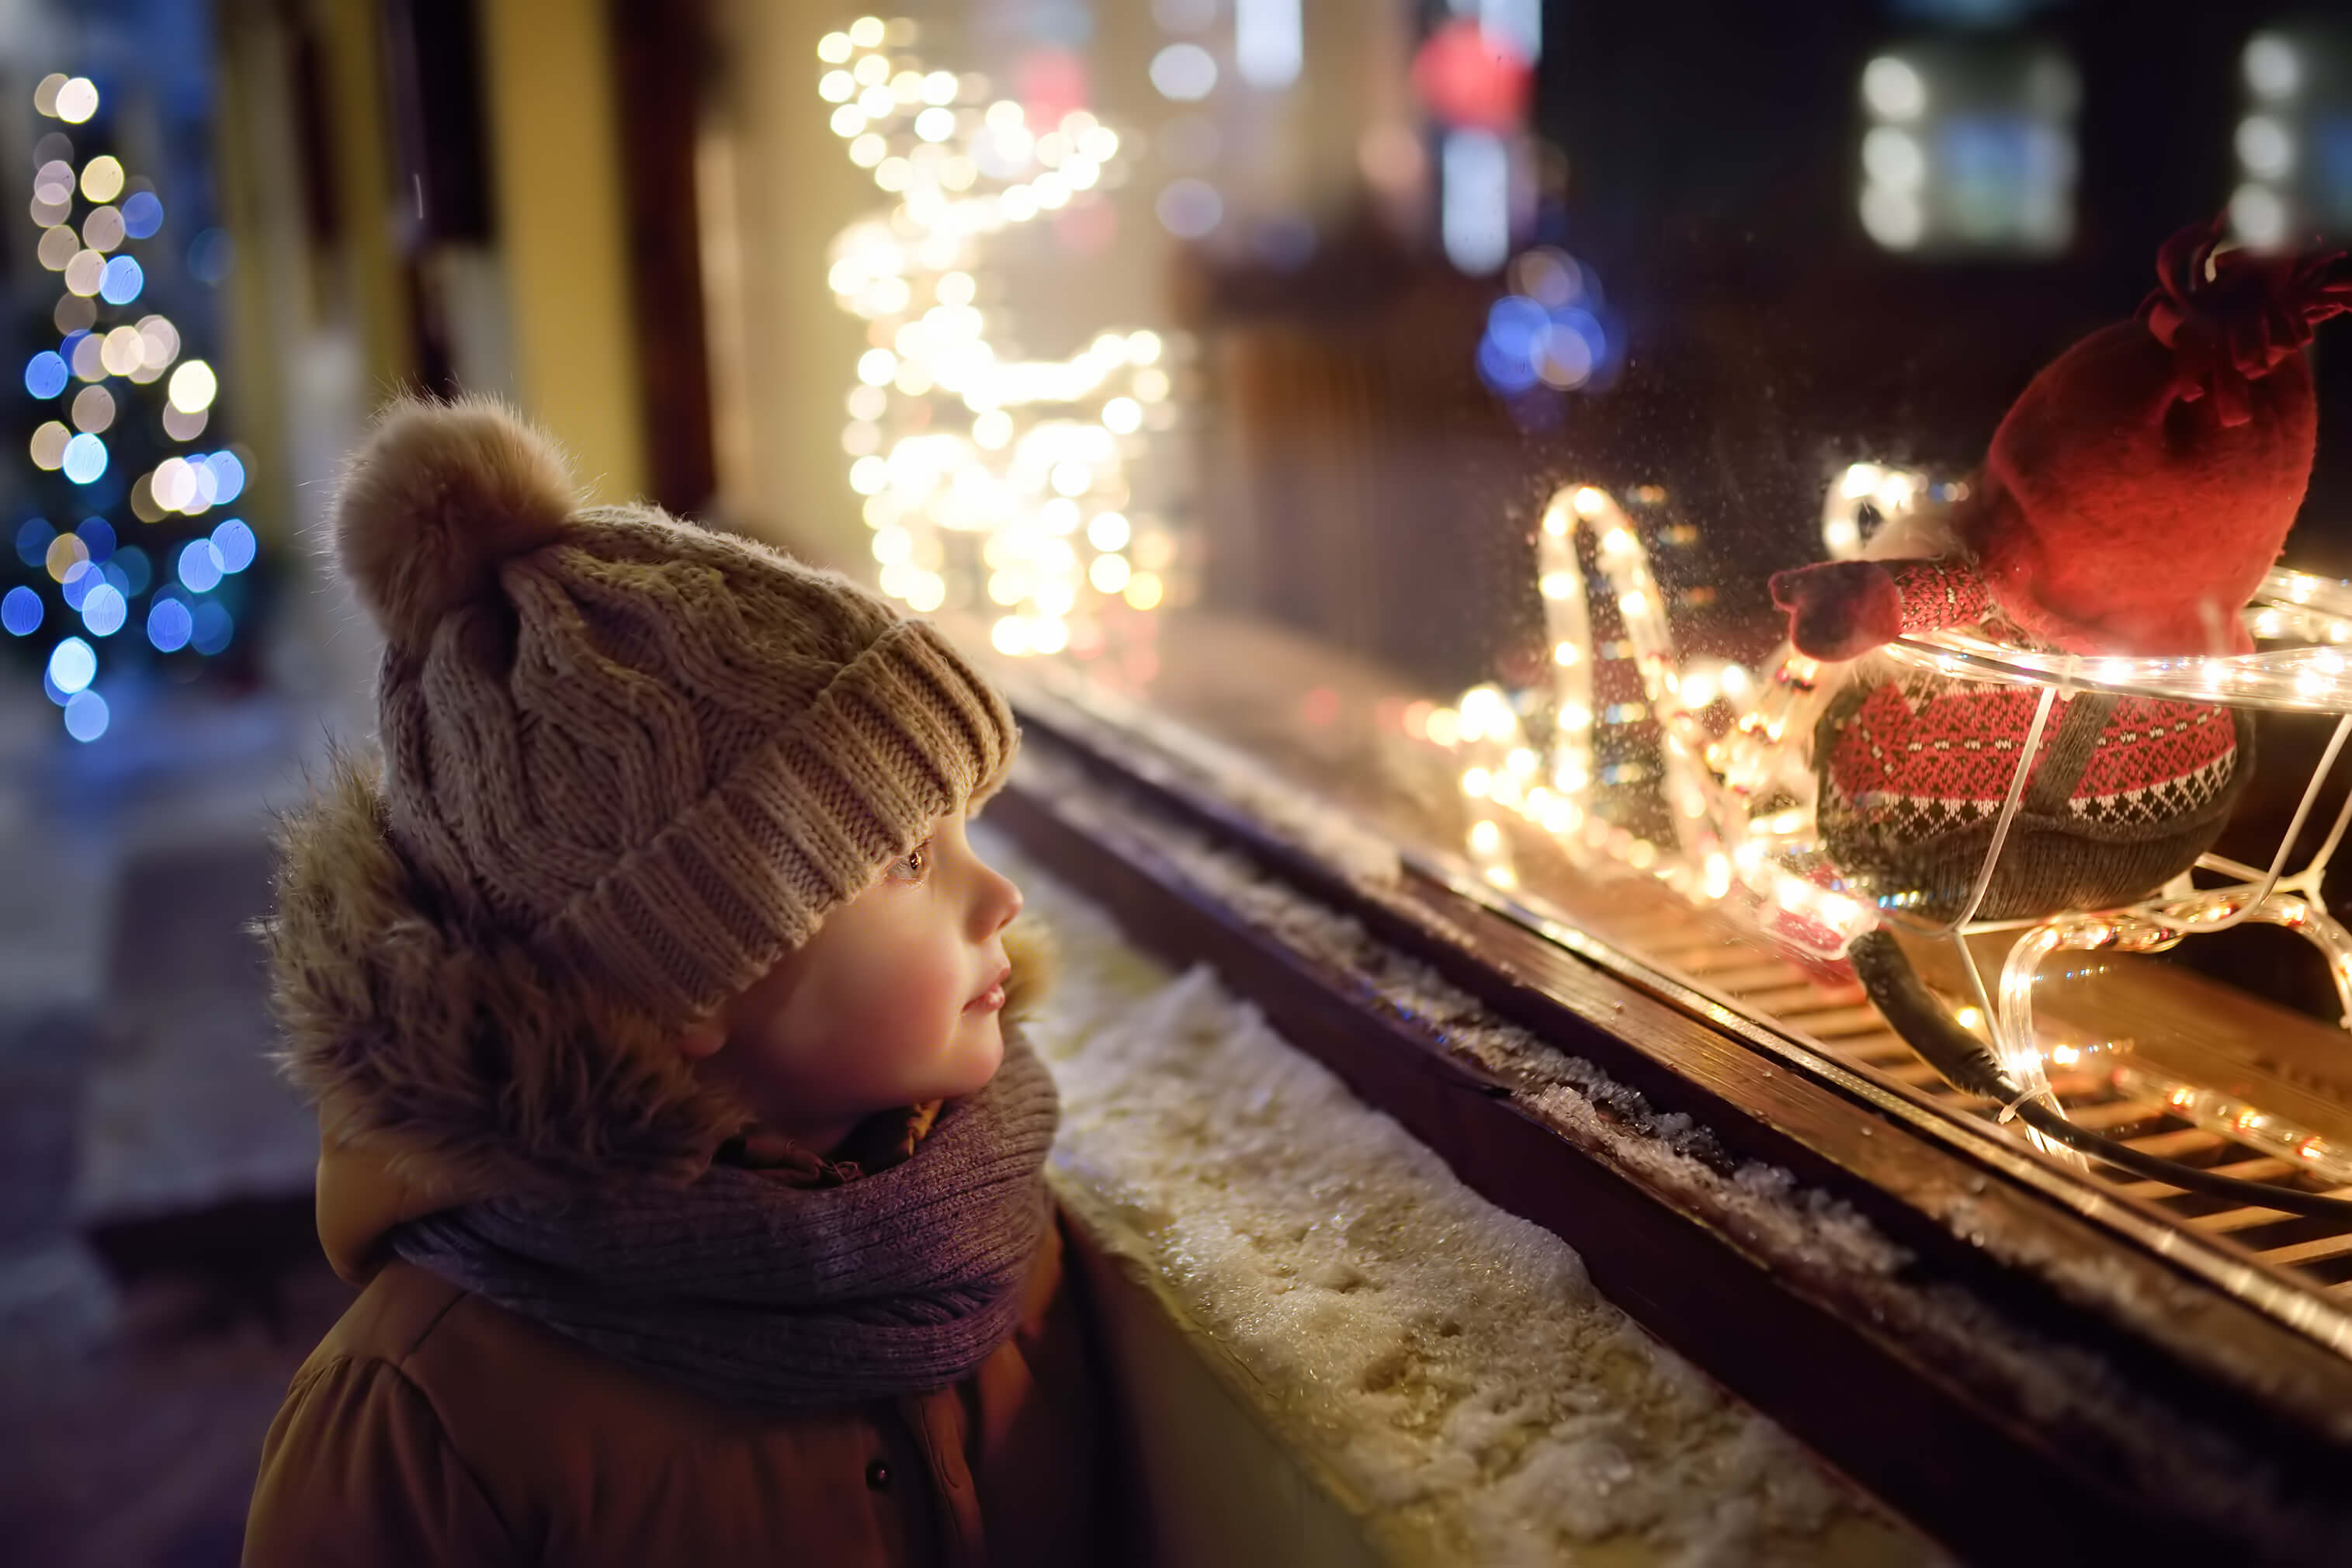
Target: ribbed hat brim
(905, 732)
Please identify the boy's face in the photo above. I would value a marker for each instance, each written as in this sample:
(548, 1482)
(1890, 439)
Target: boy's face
(894, 1001)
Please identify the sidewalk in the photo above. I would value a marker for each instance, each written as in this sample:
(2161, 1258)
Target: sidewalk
(158, 1280)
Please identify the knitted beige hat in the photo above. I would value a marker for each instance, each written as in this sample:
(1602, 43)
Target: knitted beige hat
(659, 754)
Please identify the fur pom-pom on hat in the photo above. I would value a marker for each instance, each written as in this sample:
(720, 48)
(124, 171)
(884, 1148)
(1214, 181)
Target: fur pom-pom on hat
(442, 495)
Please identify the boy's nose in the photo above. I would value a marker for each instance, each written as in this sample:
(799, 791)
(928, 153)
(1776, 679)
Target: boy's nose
(1000, 901)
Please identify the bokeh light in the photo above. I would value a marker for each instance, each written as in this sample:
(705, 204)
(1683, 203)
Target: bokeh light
(85, 273)
(47, 446)
(192, 386)
(102, 230)
(93, 410)
(121, 280)
(169, 625)
(20, 612)
(1190, 208)
(101, 178)
(77, 101)
(87, 716)
(159, 343)
(121, 350)
(65, 552)
(104, 609)
(213, 628)
(59, 245)
(1549, 332)
(1184, 72)
(200, 566)
(84, 458)
(46, 374)
(1891, 86)
(34, 537)
(73, 665)
(142, 214)
(211, 254)
(233, 542)
(228, 477)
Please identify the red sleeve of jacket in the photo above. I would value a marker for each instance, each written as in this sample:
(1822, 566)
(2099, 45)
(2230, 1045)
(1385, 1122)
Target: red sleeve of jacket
(356, 1470)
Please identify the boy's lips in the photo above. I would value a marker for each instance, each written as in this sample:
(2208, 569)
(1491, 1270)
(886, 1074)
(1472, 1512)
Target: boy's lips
(992, 996)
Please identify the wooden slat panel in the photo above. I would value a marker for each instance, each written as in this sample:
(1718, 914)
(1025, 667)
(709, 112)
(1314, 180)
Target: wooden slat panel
(1793, 1002)
(1844, 1021)
(2174, 1144)
(2115, 1113)
(1885, 1048)
(1748, 979)
(2312, 1251)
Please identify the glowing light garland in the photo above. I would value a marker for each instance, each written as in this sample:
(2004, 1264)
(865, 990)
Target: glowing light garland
(989, 480)
(1743, 823)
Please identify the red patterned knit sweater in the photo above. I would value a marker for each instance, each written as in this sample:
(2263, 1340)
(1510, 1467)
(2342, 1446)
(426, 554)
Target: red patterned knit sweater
(2123, 793)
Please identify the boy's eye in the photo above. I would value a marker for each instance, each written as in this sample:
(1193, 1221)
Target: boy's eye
(911, 865)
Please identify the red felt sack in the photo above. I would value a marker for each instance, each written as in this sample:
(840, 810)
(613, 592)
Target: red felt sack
(2143, 483)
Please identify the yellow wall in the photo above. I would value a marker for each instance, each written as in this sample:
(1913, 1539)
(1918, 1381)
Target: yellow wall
(783, 353)
(557, 174)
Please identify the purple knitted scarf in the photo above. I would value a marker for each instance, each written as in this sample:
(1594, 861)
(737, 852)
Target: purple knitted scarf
(745, 1289)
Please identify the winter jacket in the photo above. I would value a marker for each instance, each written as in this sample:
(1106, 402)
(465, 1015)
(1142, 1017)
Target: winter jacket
(431, 1426)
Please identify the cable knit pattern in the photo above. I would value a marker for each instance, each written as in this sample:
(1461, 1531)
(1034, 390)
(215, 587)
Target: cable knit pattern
(748, 1289)
(659, 754)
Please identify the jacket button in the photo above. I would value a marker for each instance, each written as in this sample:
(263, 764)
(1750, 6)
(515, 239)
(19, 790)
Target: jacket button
(877, 1475)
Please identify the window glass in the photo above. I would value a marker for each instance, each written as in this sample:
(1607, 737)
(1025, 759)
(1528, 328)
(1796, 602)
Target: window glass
(1418, 399)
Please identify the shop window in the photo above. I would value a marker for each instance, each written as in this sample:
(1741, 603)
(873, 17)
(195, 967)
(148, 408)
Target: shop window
(1412, 403)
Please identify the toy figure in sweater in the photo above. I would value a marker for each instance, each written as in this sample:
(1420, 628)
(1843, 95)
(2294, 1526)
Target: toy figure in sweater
(655, 1005)
(2130, 503)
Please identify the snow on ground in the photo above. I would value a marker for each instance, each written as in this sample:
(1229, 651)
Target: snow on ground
(1448, 1363)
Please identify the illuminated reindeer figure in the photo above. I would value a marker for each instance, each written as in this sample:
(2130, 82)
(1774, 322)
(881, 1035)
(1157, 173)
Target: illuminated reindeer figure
(987, 480)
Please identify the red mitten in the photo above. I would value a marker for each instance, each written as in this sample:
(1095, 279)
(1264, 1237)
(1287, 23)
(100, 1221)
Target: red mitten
(1842, 609)
(1839, 609)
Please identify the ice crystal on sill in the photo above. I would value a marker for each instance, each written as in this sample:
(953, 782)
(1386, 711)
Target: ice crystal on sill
(1448, 1362)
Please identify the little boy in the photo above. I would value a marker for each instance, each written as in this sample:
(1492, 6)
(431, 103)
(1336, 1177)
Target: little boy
(653, 1002)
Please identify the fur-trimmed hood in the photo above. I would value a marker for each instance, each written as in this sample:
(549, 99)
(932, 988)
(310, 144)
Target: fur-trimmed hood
(448, 1063)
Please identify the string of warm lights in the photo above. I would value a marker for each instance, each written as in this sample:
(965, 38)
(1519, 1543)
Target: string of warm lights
(1743, 822)
(1745, 817)
(989, 479)
(1563, 790)
(97, 574)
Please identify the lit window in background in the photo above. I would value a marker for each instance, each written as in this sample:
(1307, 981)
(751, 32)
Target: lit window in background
(2294, 140)
(1475, 205)
(1517, 23)
(1968, 146)
(1474, 78)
